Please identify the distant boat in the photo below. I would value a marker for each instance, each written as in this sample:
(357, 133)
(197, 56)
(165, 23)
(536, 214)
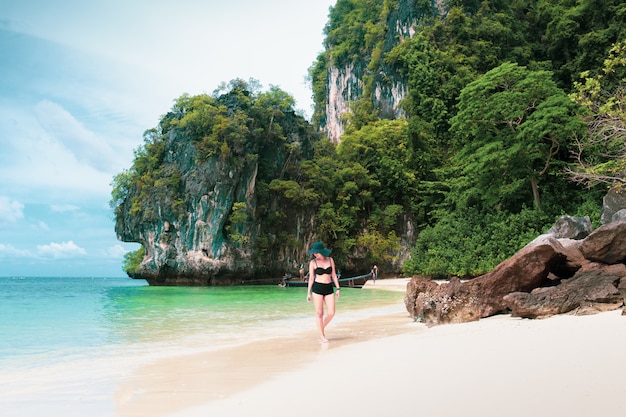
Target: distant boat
(351, 282)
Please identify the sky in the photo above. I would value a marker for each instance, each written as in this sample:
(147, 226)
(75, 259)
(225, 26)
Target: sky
(80, 81)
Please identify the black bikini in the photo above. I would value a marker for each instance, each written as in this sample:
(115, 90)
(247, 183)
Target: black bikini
(322, 288)
(322, 271)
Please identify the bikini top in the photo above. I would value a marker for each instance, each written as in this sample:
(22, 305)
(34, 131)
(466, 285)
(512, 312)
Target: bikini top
(322, 271)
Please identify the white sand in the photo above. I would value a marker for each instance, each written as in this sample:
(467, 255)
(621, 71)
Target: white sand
(395, 284)
(378, 366)
(390, 366)
(501, 366)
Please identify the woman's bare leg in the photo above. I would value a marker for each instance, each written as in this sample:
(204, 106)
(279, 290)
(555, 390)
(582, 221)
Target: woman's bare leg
(329, 300)
(318, 302)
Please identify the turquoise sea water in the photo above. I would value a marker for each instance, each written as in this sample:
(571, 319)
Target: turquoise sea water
(45, 321)
(67, 344)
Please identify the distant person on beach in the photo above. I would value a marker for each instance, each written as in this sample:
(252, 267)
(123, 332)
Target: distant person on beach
(301, 272)
(322, 274)
(374, 273)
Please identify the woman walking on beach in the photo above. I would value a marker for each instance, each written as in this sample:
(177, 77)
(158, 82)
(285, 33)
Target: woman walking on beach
(322, 274)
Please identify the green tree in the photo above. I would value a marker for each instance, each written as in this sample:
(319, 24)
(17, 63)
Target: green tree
(468, 242)
(577, 34)
(382, 149)
(512, 126)
(132, 260)
(352, 29)
(235, 222)
(435, 76)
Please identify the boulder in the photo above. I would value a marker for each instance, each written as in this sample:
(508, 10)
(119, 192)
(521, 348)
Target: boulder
(620, 215)
(607, 244)
(613, 202)
(457, 302)
(573, 261)
(551, 275)
(418, 290)
(571, 227)
(591, 290)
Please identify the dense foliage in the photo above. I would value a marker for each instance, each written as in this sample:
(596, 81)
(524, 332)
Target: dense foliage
(601, 155)
(508, 101)
(357, 192)
(493, 134)
(131, 262)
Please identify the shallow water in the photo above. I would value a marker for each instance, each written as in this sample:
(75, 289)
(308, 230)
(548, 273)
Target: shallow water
(67, 344)
(44, 320)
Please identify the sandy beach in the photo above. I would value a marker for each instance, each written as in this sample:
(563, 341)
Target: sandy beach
(390, 365)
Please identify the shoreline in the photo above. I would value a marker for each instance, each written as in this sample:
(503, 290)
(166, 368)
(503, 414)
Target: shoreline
(378, 361)
(389, 284)
(390, 365)
(172, 385)
(124, 375)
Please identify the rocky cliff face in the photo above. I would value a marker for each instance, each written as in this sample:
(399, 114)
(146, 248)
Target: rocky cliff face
(191, 235)
(346, 82)
(343, 86)
(204, 221)
(192, 248)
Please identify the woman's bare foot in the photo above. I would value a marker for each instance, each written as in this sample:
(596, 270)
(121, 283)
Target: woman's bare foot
(324, 340)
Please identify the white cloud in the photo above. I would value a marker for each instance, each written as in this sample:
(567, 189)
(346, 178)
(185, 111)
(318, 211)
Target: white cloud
(116, 251)
(76, 94)
(10, 210)
(61, 250)
(274, 41)
(60, 125)
(41, 226)
(9, 251)
(64, 208)
(36, 163)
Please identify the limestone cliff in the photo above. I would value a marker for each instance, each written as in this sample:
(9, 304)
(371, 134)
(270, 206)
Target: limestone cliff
(199, 201)
(364, 74)
(208, 220)
(191, 248)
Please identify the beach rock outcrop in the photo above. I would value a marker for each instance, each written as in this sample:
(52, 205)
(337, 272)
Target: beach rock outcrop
(607, 244)
(198, 200)
(456, 301)
(591, 290)
(613, 205)
(571, 227)
(554, 274)
(213, 196)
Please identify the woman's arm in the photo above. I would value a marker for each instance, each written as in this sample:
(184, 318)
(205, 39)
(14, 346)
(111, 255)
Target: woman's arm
(334, 276)
(311, 279)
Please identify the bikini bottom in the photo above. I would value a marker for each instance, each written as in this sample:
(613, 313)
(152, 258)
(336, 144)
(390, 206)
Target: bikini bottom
(322, 288)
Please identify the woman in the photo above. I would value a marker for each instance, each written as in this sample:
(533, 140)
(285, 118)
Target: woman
(322, 274)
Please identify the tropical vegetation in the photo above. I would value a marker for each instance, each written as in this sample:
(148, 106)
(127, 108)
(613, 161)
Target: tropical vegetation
(512, 116)
(515, 115)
